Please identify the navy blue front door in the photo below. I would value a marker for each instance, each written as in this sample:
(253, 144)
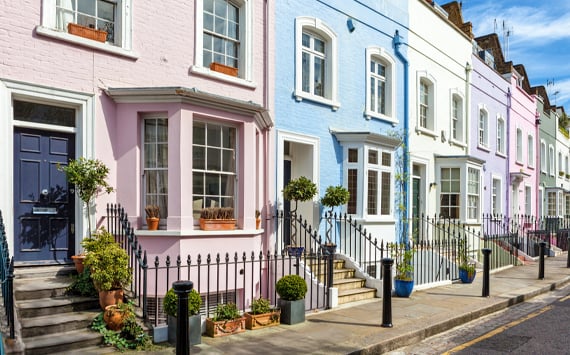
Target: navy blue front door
(44, 217)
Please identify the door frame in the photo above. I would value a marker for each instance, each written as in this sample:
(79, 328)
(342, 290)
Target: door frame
(84, 141)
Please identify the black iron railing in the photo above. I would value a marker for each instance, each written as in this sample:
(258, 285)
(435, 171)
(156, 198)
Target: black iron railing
(219, 278)
(7, 278)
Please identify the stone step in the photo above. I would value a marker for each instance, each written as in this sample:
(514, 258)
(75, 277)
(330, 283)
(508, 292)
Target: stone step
(35, 288)
(353, 295)
(64, 342)
(42, 271)
(314, 265)
(55, 305)
(349, 283)
(57, 323)
(90, 350)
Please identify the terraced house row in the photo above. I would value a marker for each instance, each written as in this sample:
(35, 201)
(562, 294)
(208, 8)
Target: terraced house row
(220, 103)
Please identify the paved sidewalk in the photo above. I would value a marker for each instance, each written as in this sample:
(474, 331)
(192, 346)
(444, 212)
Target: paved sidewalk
(356, 329)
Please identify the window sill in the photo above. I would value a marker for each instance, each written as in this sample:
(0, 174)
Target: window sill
(457, 143)
(373, 220)
(104, 47)
(207, 72)
(371, 114)
(499, 154)
(301, 95)
(427, 132)
(198, 232)
(483, 148)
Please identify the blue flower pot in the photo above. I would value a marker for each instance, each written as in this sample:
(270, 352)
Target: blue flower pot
(403, 288)
(466, 277)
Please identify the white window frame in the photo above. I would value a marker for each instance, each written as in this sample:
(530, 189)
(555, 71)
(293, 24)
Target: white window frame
(483, 128)
(473, 197)
(144, 200)
(528, 199)
(530, 148)
(123, 29)
(431, 124)
(551, 160)
(543, 157)
(560, 166)
(496, 195)
(317, 27)
(551, 198)
(457, 116)
(245, 58)
(464, 193)
(379, 54)
(501, 131)
(453, 192)
(519, 146)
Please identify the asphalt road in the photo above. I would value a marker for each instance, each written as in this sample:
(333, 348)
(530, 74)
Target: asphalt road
(538, 326)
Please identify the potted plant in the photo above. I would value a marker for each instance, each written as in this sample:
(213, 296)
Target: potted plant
(257, 219)
(109, 266)
(217, 218)
(87, 32)
(170, 304)
(152, 217)
(467, 270)
(301, 189)
(404, 278)
(334, 196)
(115, 315)
(131, 334)
(227, 320)
(89, 178)
(291, 290)
(261, 315)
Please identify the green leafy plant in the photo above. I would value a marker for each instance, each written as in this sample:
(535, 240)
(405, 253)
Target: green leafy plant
(88, 176)
(335, 196)
(170, 303)
(226, 311)
(131, 336)
(107, 262)
(403, 257)
(82, 285)
(291, 288)
(462, 252)
(260, 306)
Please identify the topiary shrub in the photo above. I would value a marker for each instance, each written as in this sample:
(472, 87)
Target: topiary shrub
(170, 303)
(291, 288)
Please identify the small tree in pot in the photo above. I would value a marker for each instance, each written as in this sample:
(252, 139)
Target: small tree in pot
(404, 279)
(170, 304)
(292, 290)
(334, 196)
(298, 190)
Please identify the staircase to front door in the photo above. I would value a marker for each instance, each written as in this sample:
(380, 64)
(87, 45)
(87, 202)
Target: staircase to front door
(51, 321)
(350, 287)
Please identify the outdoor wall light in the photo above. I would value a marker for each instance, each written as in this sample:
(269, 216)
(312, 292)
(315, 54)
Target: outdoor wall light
(350, 25)
(432, 184)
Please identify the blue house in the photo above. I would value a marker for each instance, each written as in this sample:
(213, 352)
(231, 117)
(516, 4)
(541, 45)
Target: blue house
(340, 105)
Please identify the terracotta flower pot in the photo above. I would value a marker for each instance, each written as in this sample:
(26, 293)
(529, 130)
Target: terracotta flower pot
(78, 261)
(113, 317)
(112, 297)
(152, 223)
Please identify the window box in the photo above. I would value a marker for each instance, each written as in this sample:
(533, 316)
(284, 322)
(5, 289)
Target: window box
(217, 224)
(561, 173)
(224, 69)
(87, 32)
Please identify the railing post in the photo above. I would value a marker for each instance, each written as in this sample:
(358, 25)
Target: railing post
(541, 261)
(387, 292)
(182, 289)
(486, 254)
(329, 251)
(568, 250)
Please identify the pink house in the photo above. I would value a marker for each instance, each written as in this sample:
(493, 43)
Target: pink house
(175, 129)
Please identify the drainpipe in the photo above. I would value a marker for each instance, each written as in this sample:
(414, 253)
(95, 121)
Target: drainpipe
(404, 225)
(509, 187)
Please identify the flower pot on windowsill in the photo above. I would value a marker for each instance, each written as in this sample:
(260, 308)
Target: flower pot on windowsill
(152, 223)
(224, 69)
(86, 32)
(217, 224)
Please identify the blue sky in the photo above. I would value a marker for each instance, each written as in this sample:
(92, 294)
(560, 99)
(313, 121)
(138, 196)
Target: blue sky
(539, 38)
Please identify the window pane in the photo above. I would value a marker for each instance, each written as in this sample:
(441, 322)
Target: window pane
(319, 45)
(353, 155)
(213, 159)
(372, 156)
(40, 113)
(208, 22)
(220, 8)
(385, 194)
(150, 155)
(162, 155)
(386, 159)
(198, 184)
(86, 6)
(319, 77)
(214, 136)
(209, 6)
(372, 192)
(353, 190)
(305, 73)
(106, 10)
(228, 161)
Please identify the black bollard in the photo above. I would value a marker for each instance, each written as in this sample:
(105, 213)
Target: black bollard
(568, 249)
(486, 254)
(541, 260)
(182, 289)
(387, 292)
(329, 251)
